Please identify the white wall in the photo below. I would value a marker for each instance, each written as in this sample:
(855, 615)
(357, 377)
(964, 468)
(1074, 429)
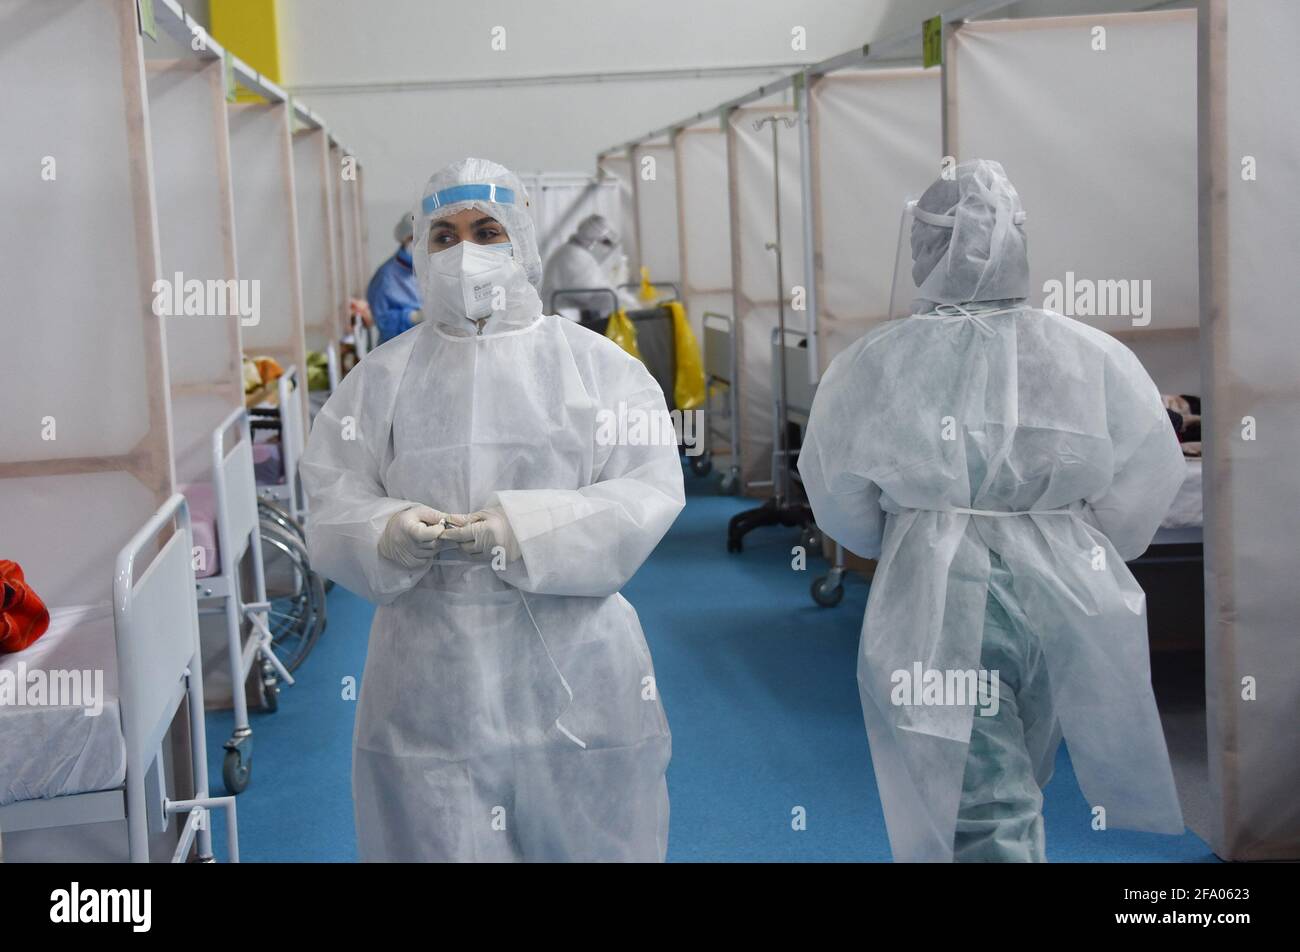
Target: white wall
(381, 73)
(337, 54)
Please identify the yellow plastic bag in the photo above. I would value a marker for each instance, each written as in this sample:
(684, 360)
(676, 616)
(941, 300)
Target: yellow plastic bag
(688, 387)
(622, 331)
(647, 291)
(688, 384)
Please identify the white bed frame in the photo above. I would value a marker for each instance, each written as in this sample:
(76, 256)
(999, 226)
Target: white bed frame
(238, 533)
(290, 402)
(155, 616)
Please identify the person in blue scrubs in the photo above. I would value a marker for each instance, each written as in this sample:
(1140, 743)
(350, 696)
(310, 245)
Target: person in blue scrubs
(393, 294)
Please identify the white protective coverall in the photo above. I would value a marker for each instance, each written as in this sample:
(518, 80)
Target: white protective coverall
(584, 261)
(507, 712)
(1001, 462)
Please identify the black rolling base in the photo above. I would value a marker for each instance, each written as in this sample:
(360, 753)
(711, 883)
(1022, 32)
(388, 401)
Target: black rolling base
(774, 512)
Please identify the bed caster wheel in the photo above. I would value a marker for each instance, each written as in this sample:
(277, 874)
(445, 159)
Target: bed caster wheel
(701, 465)
(236, 772)
(728, 484)
(826, 595)
(811, 540)
(270, 693)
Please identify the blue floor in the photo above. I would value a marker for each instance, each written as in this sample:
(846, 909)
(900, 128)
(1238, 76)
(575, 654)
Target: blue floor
(760, 689)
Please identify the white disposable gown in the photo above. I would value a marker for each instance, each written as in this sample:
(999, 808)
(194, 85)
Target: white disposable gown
(573, 266)
(506, 713)
(938, 439)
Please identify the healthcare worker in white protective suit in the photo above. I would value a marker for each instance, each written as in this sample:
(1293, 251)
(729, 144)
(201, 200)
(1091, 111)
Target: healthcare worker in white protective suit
(1001, 462)
(457, 478)
(591, 258)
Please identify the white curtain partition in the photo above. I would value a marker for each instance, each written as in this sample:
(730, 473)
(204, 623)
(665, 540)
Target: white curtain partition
(618, 169)
(877, 141)
(703, 222)
(85, 454)
(1101, 144)
(654, 187)
(196, 227)
(266, 230)
(559, 202)
(320, 289)
(1250, 243)
(754, 280)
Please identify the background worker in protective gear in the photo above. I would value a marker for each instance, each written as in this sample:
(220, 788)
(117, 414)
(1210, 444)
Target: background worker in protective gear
(393, 294)
(1002, 462)
(591, 258)
(508, 709)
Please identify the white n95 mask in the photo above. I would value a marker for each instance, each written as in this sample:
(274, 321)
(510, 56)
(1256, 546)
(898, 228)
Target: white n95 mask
(465, 278)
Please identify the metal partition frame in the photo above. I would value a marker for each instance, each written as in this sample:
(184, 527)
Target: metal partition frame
(196, 227)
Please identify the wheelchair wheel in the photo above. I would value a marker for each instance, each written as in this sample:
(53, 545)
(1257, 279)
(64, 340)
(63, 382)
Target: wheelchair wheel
(269, 509)
(296, 593)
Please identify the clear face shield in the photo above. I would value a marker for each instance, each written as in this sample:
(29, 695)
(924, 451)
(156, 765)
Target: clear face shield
(902, 289)
(603, 249)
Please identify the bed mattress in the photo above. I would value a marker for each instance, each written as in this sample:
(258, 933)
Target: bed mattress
(1186, 511)
(67, 740)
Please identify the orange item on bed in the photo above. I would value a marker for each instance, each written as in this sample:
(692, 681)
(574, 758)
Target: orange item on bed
(23, 616)
(269, 368)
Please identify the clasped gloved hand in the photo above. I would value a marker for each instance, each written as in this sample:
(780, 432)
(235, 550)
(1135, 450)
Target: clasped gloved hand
(481, 532)
(411, 537)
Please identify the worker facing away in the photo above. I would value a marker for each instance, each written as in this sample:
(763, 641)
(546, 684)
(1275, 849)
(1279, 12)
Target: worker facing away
(508, 709)
(393, 294)
(588, 269)
(1001, 462)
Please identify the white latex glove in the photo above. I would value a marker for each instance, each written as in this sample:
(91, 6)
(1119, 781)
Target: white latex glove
(411, 537)
(481, 532)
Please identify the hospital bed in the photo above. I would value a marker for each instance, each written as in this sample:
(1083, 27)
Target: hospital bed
(278, 463)
(230, 502)
(297, 594)
(61, 768)
(1182, 524)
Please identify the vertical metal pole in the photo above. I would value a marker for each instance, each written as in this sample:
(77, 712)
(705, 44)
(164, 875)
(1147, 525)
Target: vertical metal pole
(804, 101)
(945, 89)
(783, 470)
(635, 176)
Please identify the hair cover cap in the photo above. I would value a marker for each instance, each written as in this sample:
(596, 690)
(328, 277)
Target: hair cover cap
(491, 188)
(968, 238)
